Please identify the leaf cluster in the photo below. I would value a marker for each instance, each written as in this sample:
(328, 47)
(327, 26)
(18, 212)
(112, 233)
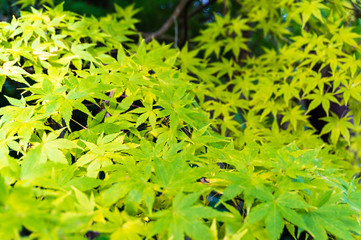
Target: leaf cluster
(207, 143)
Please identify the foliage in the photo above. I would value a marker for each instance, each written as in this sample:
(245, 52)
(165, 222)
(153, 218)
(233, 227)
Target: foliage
(206, 143)
(157, 10)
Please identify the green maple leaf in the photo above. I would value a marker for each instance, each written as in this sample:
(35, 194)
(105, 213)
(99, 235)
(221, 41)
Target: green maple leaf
(14, 72)
(294, 116)
(308, 8)
(350, 90)
(101, 153)
(189, 60)
(185, 218)
(25, 123)
(130, 183)
(323, 220)
(174, 174)
(319, 97)
(289, 91)
(275, 210)
(80, 50)
(50, 148)
(337, 126)
(120, 225)
(345, 35)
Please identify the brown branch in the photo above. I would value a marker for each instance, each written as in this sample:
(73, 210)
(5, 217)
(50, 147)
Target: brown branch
(163, 37)
(200, 8)
(106, 102)
(224, 7)
(169, 22)
(183, 25)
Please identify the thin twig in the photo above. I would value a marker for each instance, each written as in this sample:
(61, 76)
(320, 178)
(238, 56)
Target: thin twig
(169, 22)
(106, 102)
(163, 37)
(78, 123)
(175, 33)
(355, 8)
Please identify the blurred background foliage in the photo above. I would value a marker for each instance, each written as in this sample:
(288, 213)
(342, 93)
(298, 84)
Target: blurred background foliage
(152, 15)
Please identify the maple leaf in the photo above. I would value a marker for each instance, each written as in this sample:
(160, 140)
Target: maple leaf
(275, 210)
(337, 126)
(308, 8)
(185, 217)
(320, 98)
(294, 116)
